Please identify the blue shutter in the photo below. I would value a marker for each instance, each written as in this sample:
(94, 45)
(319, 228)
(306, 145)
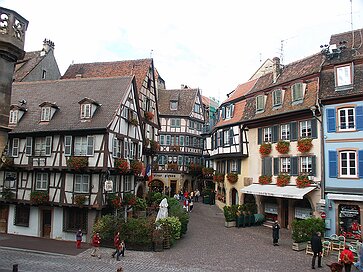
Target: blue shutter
(294, 167)
(314, 129)
(228, 166)
(293, 131)
(333, 164)
(359, 117)
(259, 139)
(268, 169)
(231, 136)
(313, 165)
(360, 163)
(276, 166)
(275, 134)
(330, 117)
(223, 113)
(239, 166)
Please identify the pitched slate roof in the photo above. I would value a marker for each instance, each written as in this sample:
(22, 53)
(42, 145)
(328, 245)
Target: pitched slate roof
(27, 64)
(109, 92)
(186, 98)
(138, 68)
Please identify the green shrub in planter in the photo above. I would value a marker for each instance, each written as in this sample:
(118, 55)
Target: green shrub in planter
(107, 226)
(140, 204)
(175, 209)
(138, 231)
(230, 213)
(174, 224)
(302, 230)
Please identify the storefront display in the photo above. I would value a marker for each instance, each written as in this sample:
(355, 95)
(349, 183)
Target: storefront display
(349, 221)
(271, 211)
(303, 213)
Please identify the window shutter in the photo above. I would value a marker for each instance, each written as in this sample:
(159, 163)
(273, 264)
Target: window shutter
(232, 110)
(359, 117)
(239, 166)
(114, 147)
(267, 166)
(28, 149)
(293, 131)
(275, 134)
(48, 145)
(259, 139)
(276, 166)
(294, 167)
(330, 113)
(360, 163)
(90, 149)
(67, 145)
(314, 129)
(313, 165)
(228, 166)
(223, 112)
(333, 163)
(231, 136)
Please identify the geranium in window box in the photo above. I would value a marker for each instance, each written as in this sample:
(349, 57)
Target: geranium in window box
(7, 194)
(175, 148)
(39, 197)
(154, 145)
(232, 177)
(136, 167)
(283, 180)
(146, 142)
(114, 201)
(283, 147)
(77, 163)
(80, 200)
(195, 169)
(133, 121)
(172, 166)
(302, 181)
(218, 177)
(265, 149)
(207, 171)
(149, 115)
(122, 166)
(129, 199)
(304, 145)
(263, 180)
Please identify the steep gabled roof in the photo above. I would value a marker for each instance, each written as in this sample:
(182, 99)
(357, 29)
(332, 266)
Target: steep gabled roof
(356, 43)
(241, 90)
(27, 64)
(138, 68)
(110, 92)
(186, 98)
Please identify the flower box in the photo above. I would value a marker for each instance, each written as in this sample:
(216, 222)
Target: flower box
(149, 115)
(80, 200)
(7, 194)
(304, 145)
(207, 171)
(263, 180)
(172, 166)
(77, 163)
(195, 169)
(265, 149)
(283, 147)
(129, 199)
(133, 121)
(302, 181)
(39, 197)
(283, 180)
(175, 148)
(232, 177)
(154, 145)
(218, 177)
(136, 167)
(122, 166)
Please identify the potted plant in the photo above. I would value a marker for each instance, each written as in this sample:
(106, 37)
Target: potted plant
(139, 208)
(136, 167)
(77, 163)
(302, 181)
(264, 179)
(283, 180)
(173, 166)
(302, 231)
(265, 149)
(122, 166)
(7, 194)
(232, 177)
(304, 145)
(133, 121)
(149, 115)
(39, 197)
(158, 238)
(283, 147)
(230, 216)
(207, 172)
(195, 169)
(79, 200)
(129, 199)
(154, 145)
(218, 177)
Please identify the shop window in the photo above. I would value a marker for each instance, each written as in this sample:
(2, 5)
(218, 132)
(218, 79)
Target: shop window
(75, 219)
(349, 221)
(22, 214)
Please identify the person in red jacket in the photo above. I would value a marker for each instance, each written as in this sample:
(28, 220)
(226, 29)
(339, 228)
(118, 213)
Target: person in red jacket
(347, 259)
(96, 241)
(116, 243)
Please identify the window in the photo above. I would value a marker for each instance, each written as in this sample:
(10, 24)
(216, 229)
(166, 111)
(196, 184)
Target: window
(162, 160)
(28, 146)
(181, 140)
(43, 146)
(116, 148)
(125, 113)
(305, 129)
(67, 145)
(191, 124)
(234, 166)
(162, 139)
(173, 105)
(81, 184)
(343, 76)
(285, 165)
(13, 117)
(127, 183)
(168, 139)
(229, 111)
(22, 213)
(348, 164)
(306, 164)
(44, 74)
(267, 136)
(10, 180)
(186, 140)
(346, 119)
(83, 146)
(86, 111)
(15, 148)
(180, 160)
(75, 219)
(45, 115)
(285, 132)
(297, 92)
(277, 98)
(197, 108)
(41, 181)
(260, 103)
(175, 123)
(226, 137)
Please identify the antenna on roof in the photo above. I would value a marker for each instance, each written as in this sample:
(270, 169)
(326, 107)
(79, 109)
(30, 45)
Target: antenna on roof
(351, 21)
(151, 53)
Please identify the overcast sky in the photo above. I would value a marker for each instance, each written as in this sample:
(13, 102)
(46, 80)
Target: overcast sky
(206, 44)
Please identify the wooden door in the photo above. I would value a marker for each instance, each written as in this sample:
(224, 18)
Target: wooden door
(4, 213)
(172, 187)
(47, 223)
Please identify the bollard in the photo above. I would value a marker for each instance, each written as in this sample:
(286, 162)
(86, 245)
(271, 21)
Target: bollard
(15, 268)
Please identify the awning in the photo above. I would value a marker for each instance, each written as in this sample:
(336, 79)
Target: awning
(277, 191)
(345, 197)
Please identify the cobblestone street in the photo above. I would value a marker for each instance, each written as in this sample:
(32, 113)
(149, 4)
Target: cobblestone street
(208, 246)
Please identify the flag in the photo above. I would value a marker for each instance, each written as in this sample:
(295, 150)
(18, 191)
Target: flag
(148, 172)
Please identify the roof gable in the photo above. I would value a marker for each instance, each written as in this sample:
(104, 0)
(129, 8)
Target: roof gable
(184, 98)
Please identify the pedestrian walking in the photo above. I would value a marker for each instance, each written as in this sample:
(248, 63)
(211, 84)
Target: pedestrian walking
(186, 204)
(121, 250)
(276, 233)
(197, 194)
(317, 247)
(191, 204)
(359, 263)
(96, 241)
(116, 243)
(192, 195)
(79, 235)
(347, 259)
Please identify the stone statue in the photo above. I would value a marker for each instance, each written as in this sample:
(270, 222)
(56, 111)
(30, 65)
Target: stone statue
(163, 211)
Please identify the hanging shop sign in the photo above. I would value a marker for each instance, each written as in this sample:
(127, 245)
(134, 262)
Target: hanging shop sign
(303, 213)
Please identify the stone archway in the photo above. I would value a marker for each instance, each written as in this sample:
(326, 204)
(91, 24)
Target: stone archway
(187, 186)
(156, 186)
(140, 190)
(234, 196)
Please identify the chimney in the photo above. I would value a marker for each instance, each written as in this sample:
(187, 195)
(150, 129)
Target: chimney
(182, 86)
(276, 68)
(47, 46)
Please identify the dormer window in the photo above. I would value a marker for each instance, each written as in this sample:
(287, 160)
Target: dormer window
(47, 111)
(45, 115)
(197, 108)
(173, 105)
(88, 108)
(86, 111)
(16, 113)
(343, 76)
(277, 98)
(229, 111)
(13, 117)
(260, 103)
(298, 91)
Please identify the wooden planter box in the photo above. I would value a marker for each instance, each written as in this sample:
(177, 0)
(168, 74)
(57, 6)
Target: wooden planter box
(299, 246)
(230, 224)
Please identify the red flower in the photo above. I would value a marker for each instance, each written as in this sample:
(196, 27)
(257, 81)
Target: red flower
(265, 149)
(149, 115)
(263, 180)
(136, 167)
(302, 181)
(283, 147)
(283, 180)
(122, 166)
(304, 145)
(232, 177)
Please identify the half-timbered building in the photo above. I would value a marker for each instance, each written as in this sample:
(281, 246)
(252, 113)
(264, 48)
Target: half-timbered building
(68, 137)
(181, 144)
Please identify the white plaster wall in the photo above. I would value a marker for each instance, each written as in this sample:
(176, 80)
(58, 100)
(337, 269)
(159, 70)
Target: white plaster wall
(32, 230)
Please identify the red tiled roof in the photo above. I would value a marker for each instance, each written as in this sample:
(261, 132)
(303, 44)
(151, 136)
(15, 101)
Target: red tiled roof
(239, 108)
(241, 90)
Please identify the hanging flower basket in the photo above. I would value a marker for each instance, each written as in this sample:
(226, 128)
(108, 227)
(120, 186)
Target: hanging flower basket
(136, 167)
(232, 177)
(304, 145)
(134, 121)
(7, 194)
(283, 180)
(218, 177)
(265, 149)
(77, 163)
(302, 181)
(129, 199)
(207, 171)
(154, 145)
(195, 169)
(122, 166)
(283, 147)
(79, 200)
(149, 115)
(172, 166)
(39, 197)
(263, 180)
